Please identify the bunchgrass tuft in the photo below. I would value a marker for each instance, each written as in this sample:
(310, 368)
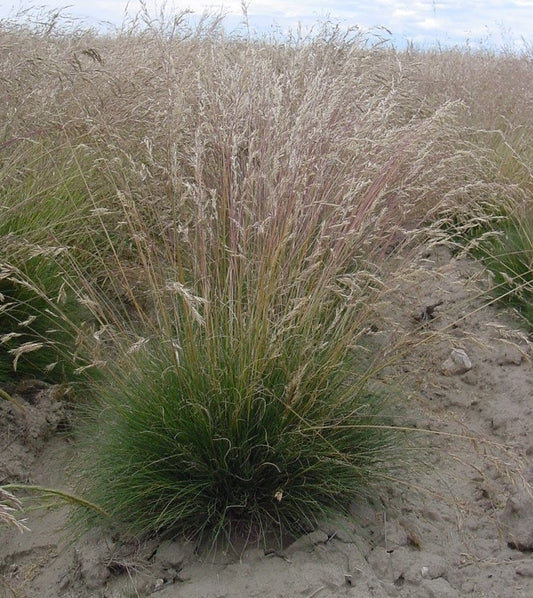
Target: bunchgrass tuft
(39, 313)
(189, 444)
(508, 254)
(215, 224)
(45, 228)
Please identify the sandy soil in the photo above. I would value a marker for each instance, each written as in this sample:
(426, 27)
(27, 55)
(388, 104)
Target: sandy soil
(459, 524)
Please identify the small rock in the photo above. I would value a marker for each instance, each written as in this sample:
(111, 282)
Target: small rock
(517, 521)
(440, 588)
(510, 356)
(174, 554)
(457, 363)
(525, 570)
(308, 541)
(91, 558)
(433, 567)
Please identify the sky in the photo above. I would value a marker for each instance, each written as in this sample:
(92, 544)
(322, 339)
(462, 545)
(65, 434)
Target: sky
(479, 23)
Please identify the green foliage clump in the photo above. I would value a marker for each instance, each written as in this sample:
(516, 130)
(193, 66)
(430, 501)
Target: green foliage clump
(189, 445)
(42, 205)
(508, 254)
(38, 337)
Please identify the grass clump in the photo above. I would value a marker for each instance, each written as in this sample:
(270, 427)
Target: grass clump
(237, 398)
(228, 210)
(217, 449)
(262, 207)
(505, 243)
(37, 330)
(41, 206)
(508, 254)
(495, 225)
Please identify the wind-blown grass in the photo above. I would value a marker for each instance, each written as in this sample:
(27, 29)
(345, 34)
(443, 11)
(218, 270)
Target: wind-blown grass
(42, 498)
(9, 505)
(34, 338)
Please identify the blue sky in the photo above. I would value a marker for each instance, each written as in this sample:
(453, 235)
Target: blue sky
(491, 23)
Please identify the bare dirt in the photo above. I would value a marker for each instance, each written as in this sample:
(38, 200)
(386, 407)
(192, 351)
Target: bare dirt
(460, 523)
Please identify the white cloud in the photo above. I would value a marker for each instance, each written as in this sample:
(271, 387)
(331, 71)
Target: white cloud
(426, 20)
(430, 24)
